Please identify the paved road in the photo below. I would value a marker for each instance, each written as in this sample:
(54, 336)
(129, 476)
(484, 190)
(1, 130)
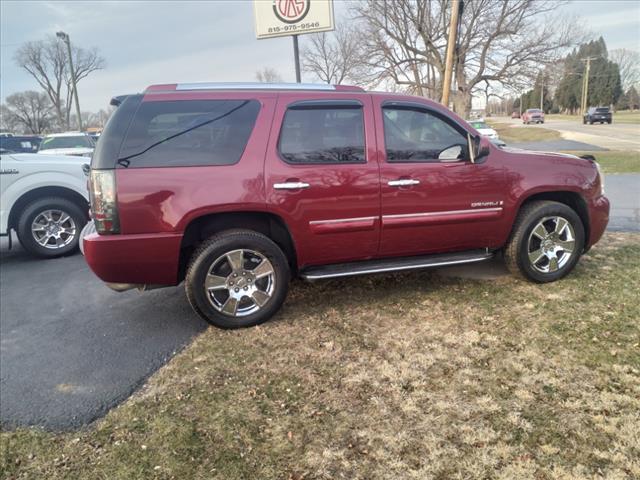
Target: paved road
(623, 191)
(70, 349)
(617, 136)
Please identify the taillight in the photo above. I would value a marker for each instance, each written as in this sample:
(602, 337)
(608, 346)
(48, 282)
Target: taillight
(104, 207)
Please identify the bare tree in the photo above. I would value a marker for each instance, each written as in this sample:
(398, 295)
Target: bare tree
(268, 75)
(32, 110)
(8, 122)
(502, 42)
(334, 57)
(629, 64)
(48, 63)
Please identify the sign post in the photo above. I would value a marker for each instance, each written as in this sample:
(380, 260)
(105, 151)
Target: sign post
(278, 18)
(296, 57)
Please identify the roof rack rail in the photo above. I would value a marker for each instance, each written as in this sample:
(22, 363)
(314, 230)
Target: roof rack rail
(251, 86)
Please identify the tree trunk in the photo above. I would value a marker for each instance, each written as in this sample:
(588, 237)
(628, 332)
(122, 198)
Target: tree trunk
(462, 102)
(462, 96)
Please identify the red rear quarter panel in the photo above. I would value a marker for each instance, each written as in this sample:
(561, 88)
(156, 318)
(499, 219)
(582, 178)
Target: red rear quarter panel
(156, 200)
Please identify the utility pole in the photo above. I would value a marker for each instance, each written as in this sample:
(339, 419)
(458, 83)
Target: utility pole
(585, 85)
(521, 105)
(542, 93)
(65, 38)
(451, 46)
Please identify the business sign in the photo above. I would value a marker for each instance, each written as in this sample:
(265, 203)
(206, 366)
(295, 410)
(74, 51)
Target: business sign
(278, 18)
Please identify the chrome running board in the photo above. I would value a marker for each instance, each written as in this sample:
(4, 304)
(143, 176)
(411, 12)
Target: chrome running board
(394, 264)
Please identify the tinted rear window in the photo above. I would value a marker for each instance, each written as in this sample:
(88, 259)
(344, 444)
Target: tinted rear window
(323, 135)
(17, 144)
(75, 141)
(602, 110)
(189, 133)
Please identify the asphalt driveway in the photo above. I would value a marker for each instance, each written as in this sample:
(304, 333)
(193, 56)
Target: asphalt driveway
(70, 349)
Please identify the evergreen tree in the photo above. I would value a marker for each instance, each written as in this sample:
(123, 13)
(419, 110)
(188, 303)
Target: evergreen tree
(605, 87)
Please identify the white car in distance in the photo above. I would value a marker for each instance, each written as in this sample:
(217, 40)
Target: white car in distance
(484, 129)
(45, 200)
(69, 143)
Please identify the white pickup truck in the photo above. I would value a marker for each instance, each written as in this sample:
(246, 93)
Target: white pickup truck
(44, 199)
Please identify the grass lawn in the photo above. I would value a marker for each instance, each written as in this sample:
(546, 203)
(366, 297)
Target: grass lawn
(513, 133)
(616, 161)
(406, 376)
(624, 116)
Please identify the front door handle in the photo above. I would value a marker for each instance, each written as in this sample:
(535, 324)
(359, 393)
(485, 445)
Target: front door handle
(403, 182)
(290, 185)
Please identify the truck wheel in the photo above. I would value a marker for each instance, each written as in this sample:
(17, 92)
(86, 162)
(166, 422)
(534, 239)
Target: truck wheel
(546, 242)
(50, 227)
(237, 279)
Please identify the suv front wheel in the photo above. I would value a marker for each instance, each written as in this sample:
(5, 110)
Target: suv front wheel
(546, 242)
(237, 278)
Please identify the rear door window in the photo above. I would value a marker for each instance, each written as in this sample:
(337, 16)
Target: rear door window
(189, 133)
(326, 134)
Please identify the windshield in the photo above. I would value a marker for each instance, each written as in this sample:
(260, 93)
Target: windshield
(78, 141)
(479, 125)
(534, 110)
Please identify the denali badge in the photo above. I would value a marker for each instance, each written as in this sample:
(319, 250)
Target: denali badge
(486, 204)
(9, 171)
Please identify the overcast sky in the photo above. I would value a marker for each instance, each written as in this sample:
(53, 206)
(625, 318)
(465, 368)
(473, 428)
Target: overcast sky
(147, 42)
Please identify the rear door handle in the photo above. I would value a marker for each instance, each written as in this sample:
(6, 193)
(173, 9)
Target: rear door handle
(403, 182)
(290, 185)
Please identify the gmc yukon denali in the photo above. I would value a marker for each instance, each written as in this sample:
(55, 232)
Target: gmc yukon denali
(235, 188)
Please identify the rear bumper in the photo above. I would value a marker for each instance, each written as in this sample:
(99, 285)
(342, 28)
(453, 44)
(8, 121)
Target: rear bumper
(599, 218)
(145, 259)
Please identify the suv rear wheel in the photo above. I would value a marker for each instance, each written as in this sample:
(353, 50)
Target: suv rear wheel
(237, 278)
(546, 242)
(50, 227)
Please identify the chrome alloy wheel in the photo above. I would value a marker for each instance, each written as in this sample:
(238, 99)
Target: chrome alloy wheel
(53, 229)
(551, 244)
(240, 282)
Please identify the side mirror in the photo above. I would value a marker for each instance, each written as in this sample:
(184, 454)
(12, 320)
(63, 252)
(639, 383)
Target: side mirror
(484, 149)
(478, 147)
(452, 153)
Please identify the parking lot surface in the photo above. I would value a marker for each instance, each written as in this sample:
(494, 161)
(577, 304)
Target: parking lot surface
(70, 348)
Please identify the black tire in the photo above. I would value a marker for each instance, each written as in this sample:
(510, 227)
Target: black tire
(516, 252)
(210, 251)
(34, 209)
(584, 121)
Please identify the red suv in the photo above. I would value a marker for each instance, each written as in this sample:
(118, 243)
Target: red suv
(235, 188)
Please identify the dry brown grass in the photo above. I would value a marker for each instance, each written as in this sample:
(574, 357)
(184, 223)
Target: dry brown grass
(515, 133)
(408, 376)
